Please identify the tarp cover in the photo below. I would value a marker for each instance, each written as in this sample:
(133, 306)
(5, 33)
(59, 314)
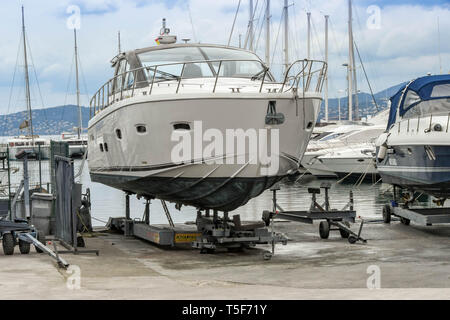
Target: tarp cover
(422, 96)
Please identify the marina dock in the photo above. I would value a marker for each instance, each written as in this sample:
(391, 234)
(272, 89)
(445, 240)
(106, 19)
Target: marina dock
(413, 263)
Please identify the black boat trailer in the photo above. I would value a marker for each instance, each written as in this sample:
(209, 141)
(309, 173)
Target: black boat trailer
(332, 219)
(21, 233)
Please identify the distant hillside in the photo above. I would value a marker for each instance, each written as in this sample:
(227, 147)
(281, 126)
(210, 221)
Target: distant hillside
(54, 121)
(366, 105)
(50, 121)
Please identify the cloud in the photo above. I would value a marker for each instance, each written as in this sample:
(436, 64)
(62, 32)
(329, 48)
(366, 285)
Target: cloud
(405, 47)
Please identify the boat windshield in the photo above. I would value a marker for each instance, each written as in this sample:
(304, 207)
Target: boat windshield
(203, 68)
(439, 102)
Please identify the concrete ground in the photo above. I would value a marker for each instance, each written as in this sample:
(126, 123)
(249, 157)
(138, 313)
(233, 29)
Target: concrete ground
(413, 263)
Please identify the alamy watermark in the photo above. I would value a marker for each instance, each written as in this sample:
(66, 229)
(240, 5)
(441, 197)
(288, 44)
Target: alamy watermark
(374, 279)
(74, 20)
(374, 20)
(234, 146)
(73, 281)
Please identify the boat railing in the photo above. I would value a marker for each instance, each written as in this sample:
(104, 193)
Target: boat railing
(307, 75)
(414, 124)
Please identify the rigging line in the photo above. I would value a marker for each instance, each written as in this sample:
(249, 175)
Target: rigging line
(296, 41)
(247, 35)
(317, 38)
(14, 77)
(234, 22)
(261, 27)
(37, 81)
(192, 23)
(84, 83)
(367, 78)
(276, 39)
(68, 85)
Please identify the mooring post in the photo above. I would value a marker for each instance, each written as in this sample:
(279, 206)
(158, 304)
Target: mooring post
(147, 211)
(127, 206)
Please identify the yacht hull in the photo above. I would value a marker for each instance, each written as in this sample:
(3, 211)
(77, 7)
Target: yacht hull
(419, 168)
(142, 163)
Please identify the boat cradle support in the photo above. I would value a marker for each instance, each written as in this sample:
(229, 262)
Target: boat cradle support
(332, 220)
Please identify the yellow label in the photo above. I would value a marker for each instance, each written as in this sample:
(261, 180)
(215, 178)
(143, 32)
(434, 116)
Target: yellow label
(186, 237)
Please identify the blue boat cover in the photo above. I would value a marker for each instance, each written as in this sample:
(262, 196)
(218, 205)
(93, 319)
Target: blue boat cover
(423, 90)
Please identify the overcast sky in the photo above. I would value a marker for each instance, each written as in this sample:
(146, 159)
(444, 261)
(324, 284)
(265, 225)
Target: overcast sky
(399, 46)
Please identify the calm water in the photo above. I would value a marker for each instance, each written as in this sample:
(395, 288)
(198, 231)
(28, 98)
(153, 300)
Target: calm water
(108, 202)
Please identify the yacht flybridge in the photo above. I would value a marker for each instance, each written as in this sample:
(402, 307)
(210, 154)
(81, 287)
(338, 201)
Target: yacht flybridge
(201, 125)
(414, 153)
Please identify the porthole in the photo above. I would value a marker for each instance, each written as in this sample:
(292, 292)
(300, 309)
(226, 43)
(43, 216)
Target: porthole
(119, 134)
(181, 126)
(106, 147)
(141, 129)
(101, 147)
(309, 126)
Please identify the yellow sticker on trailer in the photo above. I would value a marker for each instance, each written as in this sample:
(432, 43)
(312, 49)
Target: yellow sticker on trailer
(186, 237)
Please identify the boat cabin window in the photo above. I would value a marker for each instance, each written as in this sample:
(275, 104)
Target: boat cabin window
(141, 129)
(439, 103)
(202, 69)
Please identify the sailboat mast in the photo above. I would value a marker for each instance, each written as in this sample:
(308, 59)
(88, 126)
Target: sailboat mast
(80, 124)
(286, 34)
(118, 39)
(309, 34)
(350, 62)
(268, 33)
(27, 80)
(326, 74)
(250, 30)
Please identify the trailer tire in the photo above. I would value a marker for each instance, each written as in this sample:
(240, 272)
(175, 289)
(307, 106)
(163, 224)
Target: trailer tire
(324, 229)
(387, 214)
(352, 239)
(8, 244)
(24, 247)
(344, 233)
(41, 239)
(405, 221)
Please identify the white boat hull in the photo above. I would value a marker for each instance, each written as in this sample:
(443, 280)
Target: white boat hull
(142, 163)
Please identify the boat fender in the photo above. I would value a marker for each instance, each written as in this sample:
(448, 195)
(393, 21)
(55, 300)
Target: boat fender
(382, 146)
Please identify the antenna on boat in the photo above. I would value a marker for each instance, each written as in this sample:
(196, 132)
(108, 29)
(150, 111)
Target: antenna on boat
(164, 35)
(27, 80)
(118, 39)
(80, 124)
(250, 26)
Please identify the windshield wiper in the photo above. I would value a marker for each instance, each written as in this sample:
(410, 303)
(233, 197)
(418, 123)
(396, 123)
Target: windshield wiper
(259, 74)
(165, 74)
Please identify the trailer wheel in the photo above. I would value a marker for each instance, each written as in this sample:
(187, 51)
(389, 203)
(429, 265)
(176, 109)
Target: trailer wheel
(80, 242)
(41, 239)
(24, 247)
(352, 239)
(8, 244)
(405, 221)
(324, 229)
(387, 214)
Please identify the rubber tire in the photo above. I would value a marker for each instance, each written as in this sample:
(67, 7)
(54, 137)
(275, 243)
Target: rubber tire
(387, 214)
(80, 242)
(405, 221)
(24, 247)
(352, 239)
(324, 229)
(41, 239)
(8, 244)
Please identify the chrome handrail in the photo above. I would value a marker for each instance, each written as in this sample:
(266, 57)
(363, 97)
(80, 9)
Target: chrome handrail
(102, 99)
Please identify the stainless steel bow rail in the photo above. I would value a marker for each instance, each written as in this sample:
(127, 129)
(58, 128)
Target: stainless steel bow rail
(307, 75)
(339, 219)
